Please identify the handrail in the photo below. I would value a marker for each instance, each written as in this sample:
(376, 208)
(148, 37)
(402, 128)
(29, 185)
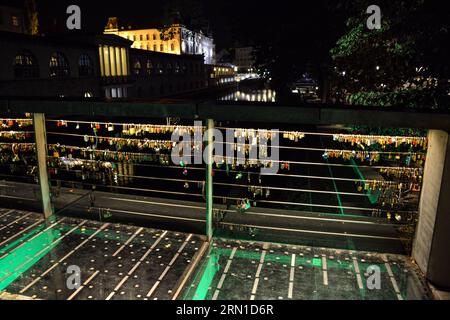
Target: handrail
(304, 113)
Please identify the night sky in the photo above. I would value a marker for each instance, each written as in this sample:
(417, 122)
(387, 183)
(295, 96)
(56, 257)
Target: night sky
(231, 22)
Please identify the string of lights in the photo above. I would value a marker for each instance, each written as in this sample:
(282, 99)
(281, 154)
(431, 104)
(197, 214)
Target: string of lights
(300, 163)
(326, 150)
(111, 138)
(103, 151)
(93, 123)
(323, 134)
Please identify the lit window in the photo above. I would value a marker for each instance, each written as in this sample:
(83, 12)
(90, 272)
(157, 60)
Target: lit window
(85, 66)
(160, 69)
(88, 94)
(141, 37)
(25, 66)
(137, 68)
(15, 21)
(58, 65)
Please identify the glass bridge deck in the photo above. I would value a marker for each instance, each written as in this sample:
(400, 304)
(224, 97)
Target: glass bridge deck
(136, 263)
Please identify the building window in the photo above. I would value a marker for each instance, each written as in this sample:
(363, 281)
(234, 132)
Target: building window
(25, 66)
(85, 67)
(15, 21)
(58, 65)
(154, 47)
(147, 37)
(172, 47)
(149, 67)
(177, 67)
(137, 67)
(88, 94)
(160, 69)
(169, 68)
(154, 37)
(141, 37)
(161, 47)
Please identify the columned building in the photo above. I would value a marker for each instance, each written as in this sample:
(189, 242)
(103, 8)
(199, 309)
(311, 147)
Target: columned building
(47, 67)
(102, 66)
(175, 39)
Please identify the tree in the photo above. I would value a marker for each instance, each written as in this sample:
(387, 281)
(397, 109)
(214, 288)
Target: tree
(405, 63)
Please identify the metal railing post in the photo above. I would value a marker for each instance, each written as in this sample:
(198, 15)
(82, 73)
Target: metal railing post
(41, 153)
(209, 179)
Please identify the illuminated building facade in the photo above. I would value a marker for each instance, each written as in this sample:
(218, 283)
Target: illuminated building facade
(244, 59)
(93, 67)
(220, 75)
(176, 39)
(113, 55)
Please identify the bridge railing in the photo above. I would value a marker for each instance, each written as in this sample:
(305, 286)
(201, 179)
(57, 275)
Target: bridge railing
(330, 185)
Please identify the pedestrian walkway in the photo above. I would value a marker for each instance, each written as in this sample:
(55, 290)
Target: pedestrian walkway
(41, 260)
(38, 259)
(237, 270)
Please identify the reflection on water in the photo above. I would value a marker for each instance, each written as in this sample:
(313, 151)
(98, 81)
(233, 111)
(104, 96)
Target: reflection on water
(265, 95)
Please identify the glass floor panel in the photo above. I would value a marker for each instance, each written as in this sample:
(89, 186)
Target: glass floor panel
(241, 270)
(115, 261)
(122, 262)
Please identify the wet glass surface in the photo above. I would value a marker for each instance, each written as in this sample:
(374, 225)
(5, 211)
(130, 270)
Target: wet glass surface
(115, 261)
(245, 270)
(121, 262)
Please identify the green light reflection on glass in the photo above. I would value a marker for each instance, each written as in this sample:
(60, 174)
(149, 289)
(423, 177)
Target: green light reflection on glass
(20, 260)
